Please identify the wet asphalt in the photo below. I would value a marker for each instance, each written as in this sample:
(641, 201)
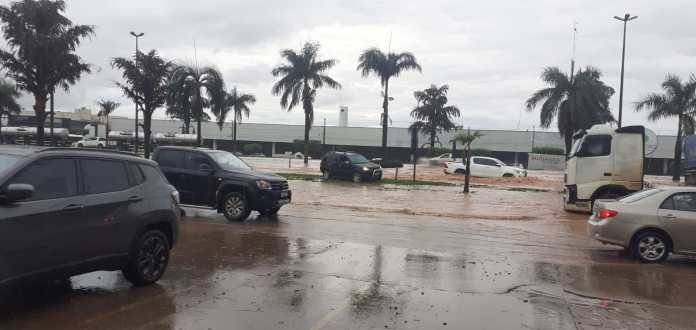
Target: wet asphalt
(345, 256)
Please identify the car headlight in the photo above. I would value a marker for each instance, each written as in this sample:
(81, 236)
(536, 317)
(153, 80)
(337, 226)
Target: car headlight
(365, 169)
(264, 185)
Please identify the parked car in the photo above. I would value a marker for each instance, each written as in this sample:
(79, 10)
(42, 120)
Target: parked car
(651, 223)
(441, 160)
(485, 167)
(90, 142)
(65, 211)
(349, 165)
(219, 180)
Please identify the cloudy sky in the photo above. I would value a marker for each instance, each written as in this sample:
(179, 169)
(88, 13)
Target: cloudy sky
(490, 53)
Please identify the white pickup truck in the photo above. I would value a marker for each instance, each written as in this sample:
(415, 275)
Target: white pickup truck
(485, 167)
(90, 142)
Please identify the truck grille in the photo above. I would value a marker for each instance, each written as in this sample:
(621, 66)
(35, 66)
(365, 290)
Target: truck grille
(280, 185)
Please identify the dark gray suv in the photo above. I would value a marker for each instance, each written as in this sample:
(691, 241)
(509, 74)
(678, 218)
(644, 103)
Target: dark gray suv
(67, 211)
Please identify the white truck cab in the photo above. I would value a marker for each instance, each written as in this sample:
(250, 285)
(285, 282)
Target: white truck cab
(604, 163)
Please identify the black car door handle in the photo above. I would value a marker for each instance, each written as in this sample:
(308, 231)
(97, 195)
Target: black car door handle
(135, 199)
(73, 207)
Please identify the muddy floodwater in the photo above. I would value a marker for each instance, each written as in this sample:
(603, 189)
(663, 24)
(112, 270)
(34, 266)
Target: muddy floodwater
(349, 256)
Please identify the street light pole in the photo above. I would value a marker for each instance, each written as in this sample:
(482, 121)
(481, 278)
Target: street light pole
(627, 17)
(137, 51)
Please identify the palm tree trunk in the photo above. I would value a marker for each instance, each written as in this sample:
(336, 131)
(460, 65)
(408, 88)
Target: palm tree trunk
(2, 137)
(147, 125)
(199, 136)
(385, 120)
(432, 143)
(53, 139)
(234, 134)
(40, 115)
(467, 175)
(676, 169)
(108, 129)
(306, 139)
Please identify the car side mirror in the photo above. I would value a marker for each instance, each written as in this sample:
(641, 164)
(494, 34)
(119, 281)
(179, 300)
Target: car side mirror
(18, 192)
(347, 162)
(205, 168)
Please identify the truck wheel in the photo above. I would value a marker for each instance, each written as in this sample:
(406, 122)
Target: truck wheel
(269, 212)
(148, 259)
(651, 247)
(235, 207)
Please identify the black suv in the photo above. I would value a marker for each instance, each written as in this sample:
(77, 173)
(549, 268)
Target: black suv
(349, 165)
(67, 211)
(220, 180)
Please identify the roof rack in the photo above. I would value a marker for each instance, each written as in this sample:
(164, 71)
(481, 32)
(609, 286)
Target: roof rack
(88, 150)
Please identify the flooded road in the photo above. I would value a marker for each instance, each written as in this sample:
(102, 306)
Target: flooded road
(348, 256)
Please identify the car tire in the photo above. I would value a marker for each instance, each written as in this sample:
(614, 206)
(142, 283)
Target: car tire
(269, 212)
(357, 178)
(651, 247)
(79, 145)
(100, 146)
(460, 171)
(508, 175)
(148, 259)
(326, 175)
(235, 207)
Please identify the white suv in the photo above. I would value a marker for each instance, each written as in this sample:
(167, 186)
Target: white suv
(91, 142)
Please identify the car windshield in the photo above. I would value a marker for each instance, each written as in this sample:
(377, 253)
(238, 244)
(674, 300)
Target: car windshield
(634, 197)
(6, 161)
(357, 159)
(228, 161)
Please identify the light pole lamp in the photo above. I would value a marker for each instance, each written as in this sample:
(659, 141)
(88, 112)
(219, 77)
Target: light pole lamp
(625, 20)
(137, 51)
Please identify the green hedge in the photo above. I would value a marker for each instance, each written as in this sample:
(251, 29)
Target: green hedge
(252, 148)
(548, 151)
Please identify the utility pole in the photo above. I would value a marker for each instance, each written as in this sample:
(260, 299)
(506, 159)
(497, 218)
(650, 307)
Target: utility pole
(137, 104)
(627, 17)
(572, 75)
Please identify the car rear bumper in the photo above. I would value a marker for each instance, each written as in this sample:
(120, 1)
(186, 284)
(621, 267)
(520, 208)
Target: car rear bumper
(610, 231)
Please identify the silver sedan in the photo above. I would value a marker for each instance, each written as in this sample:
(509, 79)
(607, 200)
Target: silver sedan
(651, 223)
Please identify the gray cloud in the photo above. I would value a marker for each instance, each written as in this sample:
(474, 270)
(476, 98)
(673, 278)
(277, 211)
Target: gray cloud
(490, 53)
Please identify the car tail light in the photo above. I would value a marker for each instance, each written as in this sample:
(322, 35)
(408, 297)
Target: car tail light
(606, 213)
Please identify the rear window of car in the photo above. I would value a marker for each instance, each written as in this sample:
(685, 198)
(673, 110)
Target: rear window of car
(102, 176)
(135, 173)
(636, 196)
(7, 161)
(152, 173)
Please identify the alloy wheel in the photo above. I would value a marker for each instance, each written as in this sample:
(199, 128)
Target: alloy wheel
(652, 248)
(152, 258)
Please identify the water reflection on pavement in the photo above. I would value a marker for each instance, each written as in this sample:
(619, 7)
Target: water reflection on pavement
(342, 267)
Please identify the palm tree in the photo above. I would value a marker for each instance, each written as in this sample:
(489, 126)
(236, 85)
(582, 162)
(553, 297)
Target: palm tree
(239, 104)
(576, 102)
(299, 80)
(8, 102)
(679, 100)
(466, 139)
(203, 88)
(145, 84)
(41, 54)
(386, 66)
(107, 108)
(434, 113)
